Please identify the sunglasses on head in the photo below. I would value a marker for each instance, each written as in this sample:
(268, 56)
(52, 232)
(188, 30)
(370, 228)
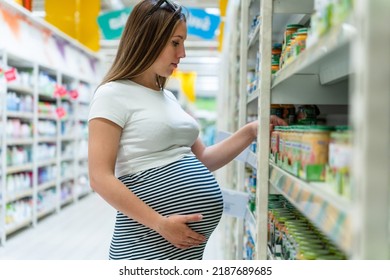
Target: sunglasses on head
(164, 4)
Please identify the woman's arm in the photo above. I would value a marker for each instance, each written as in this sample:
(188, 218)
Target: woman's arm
(220, 154)
(104, 137)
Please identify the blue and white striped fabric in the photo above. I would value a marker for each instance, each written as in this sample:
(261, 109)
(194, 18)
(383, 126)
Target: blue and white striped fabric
(182, 187)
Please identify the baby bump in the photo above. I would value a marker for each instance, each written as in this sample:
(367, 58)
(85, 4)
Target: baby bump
(183, 187)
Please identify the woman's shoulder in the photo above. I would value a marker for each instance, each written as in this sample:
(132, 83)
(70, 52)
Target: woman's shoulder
(121, 85)
(114, 88)
(112, 85)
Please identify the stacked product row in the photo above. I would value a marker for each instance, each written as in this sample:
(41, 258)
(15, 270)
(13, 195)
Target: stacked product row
(297, 37)
(291, 236)
(315, 153)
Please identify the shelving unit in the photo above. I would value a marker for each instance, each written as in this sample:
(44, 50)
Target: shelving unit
(338, 74)
(229, 107)
(44, 109)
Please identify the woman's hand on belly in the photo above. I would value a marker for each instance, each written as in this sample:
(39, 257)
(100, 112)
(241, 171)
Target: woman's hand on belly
(175, 229)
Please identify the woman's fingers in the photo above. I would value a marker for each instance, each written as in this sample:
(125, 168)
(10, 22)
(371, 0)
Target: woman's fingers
(176, 230)
(193, 236)
(189, 242)
(275, 120)
(193, 217)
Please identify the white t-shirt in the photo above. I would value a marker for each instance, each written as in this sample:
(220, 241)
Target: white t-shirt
(156, 130)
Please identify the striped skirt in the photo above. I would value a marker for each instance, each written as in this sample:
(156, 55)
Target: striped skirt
(182, 187)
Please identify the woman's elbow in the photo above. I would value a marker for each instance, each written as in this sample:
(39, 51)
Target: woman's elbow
(95, 180)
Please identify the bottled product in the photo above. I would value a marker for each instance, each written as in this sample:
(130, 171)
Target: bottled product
(274, 67)
(295, 138)
(275, 134)
(300, 42)
(307, 114)
(282, 141)
(340, 159)
(277, 110)
(288, 113)
(314, 152)
(290, 30)
(290, 48)
(286, 54)
(276, 53)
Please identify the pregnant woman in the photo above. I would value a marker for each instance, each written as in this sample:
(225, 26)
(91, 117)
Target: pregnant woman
(145, 156)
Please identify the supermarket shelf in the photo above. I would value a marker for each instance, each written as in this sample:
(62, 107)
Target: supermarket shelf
(67, 158)
(81, 71)
(46, 212)
(67, 138)
(254, 35)
(67, 178)
(46, 185)
(83, 158)
(47, 139)
(66, 201)
(319, 75)
(329, 212)
(84, 193)
(253, 96)
(293, 6)
(20, 89)
(83, 118)
(271, 256)
(20, 115)
(84, 102)
(15, 61)
(65, 98)
(14, 228)
(82, 172)
(19, 141)
(250, 221)
(346, 67)
(307, 89)
(252, 100)
(46, 162)
(251, 159)
(47, 116)
(66, 118)
(45, 97)
(19, 168)
(327, 58)
(18, 195)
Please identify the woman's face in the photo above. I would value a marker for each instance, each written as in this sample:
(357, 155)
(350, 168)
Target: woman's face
(170, 57)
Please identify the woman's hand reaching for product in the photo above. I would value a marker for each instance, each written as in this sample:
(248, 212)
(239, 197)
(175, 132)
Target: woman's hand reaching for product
(276, 121)
(175, 229)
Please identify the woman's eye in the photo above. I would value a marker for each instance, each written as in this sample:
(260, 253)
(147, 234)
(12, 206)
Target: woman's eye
(175, 44)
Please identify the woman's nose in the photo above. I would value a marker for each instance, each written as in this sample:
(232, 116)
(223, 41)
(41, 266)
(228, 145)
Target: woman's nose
(182, 52)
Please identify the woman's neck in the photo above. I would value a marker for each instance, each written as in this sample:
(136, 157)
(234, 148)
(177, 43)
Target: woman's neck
(147, 81)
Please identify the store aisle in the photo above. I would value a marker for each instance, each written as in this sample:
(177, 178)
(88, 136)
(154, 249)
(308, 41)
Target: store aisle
(79, 232)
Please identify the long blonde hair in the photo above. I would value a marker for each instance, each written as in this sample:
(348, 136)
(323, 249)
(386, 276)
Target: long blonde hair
(144, 37)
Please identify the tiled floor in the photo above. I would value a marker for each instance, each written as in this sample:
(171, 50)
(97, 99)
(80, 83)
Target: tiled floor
(79, 232)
